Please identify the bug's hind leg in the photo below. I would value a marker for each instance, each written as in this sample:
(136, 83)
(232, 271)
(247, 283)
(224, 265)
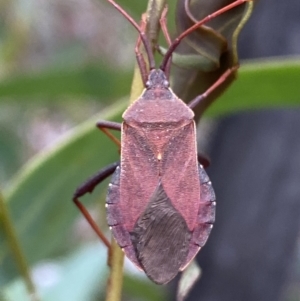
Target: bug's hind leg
(88, 187)
(203, 160)
(206, 216)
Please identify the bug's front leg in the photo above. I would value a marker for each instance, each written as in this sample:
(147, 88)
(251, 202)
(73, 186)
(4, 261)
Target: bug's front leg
(105, 126)
(203, 160)
(88, 187)
(198, 99)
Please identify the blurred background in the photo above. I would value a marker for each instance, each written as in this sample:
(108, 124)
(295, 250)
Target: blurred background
(62, 62)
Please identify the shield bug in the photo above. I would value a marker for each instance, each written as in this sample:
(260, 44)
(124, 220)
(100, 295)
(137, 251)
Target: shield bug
(160, 201)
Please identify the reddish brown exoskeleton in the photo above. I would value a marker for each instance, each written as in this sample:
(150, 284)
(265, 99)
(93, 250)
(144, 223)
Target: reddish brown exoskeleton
(160, 201)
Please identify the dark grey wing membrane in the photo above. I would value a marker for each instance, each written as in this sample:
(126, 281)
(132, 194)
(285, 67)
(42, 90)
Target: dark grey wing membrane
(161, 238)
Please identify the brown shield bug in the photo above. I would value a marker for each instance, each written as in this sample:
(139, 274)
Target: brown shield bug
(160, 201)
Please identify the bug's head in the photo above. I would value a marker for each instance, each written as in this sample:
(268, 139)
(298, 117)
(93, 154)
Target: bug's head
(157, 79)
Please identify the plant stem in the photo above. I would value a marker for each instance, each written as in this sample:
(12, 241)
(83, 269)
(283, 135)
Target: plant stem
(248, 12)
(115, 280)
(16, 249)
(154, 11)
(153, 14)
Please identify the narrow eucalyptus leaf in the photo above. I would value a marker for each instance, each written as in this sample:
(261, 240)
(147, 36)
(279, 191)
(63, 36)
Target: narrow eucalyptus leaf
(216, 41)
(143, 289)
(187, 280)
(262, 84)
(53, 84)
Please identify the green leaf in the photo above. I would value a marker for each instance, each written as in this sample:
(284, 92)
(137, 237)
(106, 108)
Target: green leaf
(215, 42)
(12, 242)
(143, 289)
(97, 80)
(40, 196)
(136, 8)
(187, 280)
(190, 61)
(133, 7)
(261, 84)
(84, 270)
(10, 155)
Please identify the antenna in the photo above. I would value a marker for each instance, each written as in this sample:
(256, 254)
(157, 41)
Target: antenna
(177, 41)
(143, 36)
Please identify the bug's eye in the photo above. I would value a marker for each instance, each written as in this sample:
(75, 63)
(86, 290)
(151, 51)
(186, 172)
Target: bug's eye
(166, 83)
(147, 84)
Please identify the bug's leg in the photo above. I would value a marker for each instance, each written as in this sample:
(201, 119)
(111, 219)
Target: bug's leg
(197, 100)
(88, 187)
(203, 160)
(163, 25)
(138, 54)
(143, 36)
(105, 126)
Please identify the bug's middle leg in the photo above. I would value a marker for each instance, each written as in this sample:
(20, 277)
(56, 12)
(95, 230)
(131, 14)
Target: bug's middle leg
(88, 187)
